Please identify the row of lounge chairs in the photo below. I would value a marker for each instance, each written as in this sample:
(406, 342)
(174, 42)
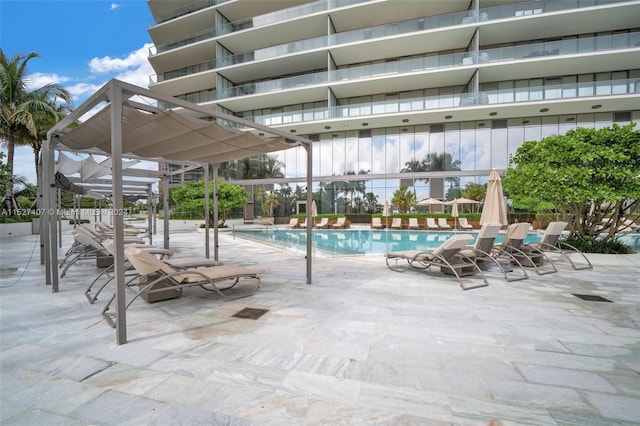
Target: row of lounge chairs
(154, 273)
(341, 222)
(431, 224)
(456, 256)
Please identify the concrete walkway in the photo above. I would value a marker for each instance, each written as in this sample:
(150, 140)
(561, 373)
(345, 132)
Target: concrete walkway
(361, 345)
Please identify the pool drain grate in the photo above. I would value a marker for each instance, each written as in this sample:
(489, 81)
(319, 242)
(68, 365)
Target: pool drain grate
(592, 297)
(250, 313)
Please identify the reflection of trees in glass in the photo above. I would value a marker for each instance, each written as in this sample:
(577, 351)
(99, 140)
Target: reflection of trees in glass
(349, 189)
(403, 199)
(259, 167)
(434, 162)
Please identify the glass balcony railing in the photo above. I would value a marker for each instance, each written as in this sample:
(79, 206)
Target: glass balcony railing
(413, 65)
(418, 104)
(387, 30)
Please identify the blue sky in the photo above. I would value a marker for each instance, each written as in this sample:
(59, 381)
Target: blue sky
(82, 44)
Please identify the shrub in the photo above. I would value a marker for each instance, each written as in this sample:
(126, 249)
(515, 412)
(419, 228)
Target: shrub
(591, 245)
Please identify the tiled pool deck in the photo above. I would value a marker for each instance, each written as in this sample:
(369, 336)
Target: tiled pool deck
(360, 345)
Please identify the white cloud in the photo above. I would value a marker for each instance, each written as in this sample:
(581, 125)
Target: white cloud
(114, 6)
(38, 79)
(108, 64)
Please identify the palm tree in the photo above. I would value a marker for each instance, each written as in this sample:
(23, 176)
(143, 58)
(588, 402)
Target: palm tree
(436, 162)
(22, 111)
(415, 166)
(403, 199)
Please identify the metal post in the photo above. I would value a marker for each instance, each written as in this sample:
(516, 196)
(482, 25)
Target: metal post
(118, 211)
(165, 207)
(206, 210)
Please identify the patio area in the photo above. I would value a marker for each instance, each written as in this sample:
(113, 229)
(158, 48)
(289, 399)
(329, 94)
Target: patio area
(360, 345)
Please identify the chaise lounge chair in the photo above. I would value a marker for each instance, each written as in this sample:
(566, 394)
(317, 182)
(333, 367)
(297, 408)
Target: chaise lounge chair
(413, 223)
(340, 223)
(431, 224)
(324, 222)
(160, 253)
(396, 223)
(513, 247)
(464, 224)
(161, 278)
(376, 223)
(481, 252)
(293, 223)
(443, 224)
(447, 257)
(551, 243)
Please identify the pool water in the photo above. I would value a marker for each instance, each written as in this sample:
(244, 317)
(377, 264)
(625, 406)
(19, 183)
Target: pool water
(357, 241)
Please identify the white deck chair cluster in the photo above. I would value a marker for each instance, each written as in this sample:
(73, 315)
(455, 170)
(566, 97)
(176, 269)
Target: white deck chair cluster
(447, 257)
(161, 277)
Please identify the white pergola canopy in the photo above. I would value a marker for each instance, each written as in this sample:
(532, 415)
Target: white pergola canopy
(133, 130)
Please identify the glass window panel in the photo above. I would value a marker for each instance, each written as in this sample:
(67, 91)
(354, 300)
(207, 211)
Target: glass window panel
(421, 142)
(482, 149)
(549, 126)
(522, 91)
(552, 88)
(326, 155)
(364, 153)
(565, 123)
(378, 158)
(431, 101)
(499, 148)
(533, 129)
(619, 82)
(467, 146)
(535, 89)
(391, 103)
(351, 152)
(452, 146)
(603, 83)
(585, 85)
(446, 97)
(392, 150)
(569, 86)
(407, 147)
(505, 91)
(515, 134)
(339, 153)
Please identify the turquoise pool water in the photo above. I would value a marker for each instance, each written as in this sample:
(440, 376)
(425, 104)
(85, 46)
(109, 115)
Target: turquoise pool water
(356, 241)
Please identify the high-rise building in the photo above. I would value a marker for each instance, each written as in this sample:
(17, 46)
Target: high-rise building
(433, 94)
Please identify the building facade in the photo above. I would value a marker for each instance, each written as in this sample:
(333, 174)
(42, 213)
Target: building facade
(432, 94)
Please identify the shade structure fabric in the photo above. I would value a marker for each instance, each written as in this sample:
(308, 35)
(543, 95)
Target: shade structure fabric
(495, 207)
(167, 135)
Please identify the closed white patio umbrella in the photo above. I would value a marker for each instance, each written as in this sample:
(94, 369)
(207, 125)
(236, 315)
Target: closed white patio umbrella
(495, 206)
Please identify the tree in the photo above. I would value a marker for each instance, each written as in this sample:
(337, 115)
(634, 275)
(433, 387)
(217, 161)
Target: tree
(590, 177)
(435, 162)
(22, 111)
(403, 199)
(190, 197)
(268, 200)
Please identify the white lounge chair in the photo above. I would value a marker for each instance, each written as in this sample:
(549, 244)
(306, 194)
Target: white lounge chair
(431, 224)
(396, 223)
(293, 223)
(447, 257)
(340, 222)
(376, 223)
(464, 224)
(443, 224)
(413, 223)
(324, 222)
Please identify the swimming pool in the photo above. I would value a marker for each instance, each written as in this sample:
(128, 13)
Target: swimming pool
(356, 241)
